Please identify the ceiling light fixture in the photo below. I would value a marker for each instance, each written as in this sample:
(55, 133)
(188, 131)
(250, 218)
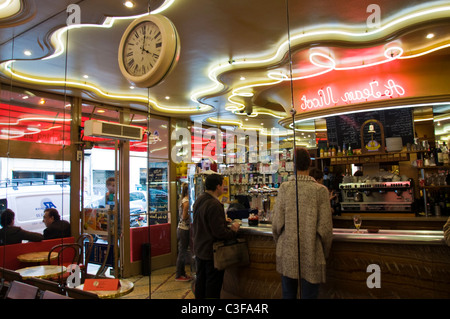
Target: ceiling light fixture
(27, 52)
(430, 35)
(128, 4)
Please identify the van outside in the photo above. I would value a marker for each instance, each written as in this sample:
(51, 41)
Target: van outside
(29, 199)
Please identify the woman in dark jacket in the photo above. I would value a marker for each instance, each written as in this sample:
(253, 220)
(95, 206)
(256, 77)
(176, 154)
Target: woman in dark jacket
(10, 234)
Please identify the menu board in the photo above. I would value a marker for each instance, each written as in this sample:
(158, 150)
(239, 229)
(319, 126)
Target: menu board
(346, 129)
(158, 199)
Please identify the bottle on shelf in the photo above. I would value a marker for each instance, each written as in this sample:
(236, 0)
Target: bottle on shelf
(339, 152)
(333, 151)
(447, 204)
(321, 152)
(438, 155)
(426, 159)
(445, 157)
(432, 159)
(350, 152)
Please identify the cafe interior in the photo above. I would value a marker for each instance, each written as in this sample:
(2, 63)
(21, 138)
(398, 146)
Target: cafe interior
(83, 98)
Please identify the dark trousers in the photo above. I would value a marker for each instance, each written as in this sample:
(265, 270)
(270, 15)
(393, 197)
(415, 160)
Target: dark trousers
(183, 244)
(290, 287)
(209, 280)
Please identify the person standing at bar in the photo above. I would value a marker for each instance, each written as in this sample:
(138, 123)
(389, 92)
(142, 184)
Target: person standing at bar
(315, 231)
(209, 226)
(183, 234)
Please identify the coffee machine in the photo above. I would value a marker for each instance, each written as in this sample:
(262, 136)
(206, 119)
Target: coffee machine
(377, 196)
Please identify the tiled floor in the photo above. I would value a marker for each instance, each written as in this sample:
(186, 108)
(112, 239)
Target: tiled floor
(162, 286)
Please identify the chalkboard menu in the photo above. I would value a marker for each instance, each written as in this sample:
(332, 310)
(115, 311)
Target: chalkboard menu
(158, 199)
(346, 129)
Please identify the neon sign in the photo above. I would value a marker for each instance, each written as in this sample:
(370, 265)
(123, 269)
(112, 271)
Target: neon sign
(374, 91)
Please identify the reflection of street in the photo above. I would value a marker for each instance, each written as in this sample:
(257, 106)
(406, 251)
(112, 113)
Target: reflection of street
(138, 207)
(138, 220)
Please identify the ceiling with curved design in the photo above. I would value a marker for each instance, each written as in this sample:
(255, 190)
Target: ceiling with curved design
(242, 63)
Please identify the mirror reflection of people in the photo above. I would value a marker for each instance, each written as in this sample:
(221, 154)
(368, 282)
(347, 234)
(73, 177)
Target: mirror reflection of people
(317, 174)
(183, 234)
(11, 234)
(315, 231)
(111, 187)
(56, 227)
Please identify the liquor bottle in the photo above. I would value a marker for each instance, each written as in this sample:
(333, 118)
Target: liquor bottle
(438, 156)
(447, 205)
(333, 151)
(445, 157)
(339, 152)
(442, 204)
(322, 152)
(350, 152)
(432, 159)
(426, 159)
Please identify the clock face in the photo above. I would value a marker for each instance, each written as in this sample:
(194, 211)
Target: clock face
(142, 48)
(148, 50)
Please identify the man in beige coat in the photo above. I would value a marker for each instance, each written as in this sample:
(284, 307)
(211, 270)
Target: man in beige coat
(315, 229)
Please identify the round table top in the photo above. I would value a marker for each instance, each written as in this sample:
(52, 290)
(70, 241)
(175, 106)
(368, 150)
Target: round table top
(43, 271)
(126, 287)
(36, 257)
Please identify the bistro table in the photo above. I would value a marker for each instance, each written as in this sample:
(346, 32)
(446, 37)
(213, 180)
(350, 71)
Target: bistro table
(126, 287)
(43, 271)
(37, 257)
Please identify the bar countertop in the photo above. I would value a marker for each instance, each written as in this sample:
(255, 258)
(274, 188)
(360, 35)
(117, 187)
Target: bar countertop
(382, 236)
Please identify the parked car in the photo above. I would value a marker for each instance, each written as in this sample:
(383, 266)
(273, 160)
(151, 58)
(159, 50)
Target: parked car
(138, 207)
(139, 199)
(29, 199)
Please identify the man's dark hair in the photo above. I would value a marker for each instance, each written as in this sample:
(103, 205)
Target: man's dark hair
(212, 181)
(303, 159)
(7, 217)
(52, 212)
(110, 180)
(316, 173)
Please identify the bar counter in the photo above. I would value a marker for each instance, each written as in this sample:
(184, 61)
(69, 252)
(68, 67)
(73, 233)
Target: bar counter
(413, 264)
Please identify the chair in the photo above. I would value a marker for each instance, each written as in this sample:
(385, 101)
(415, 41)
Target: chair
(10, 275)
(85, 254)
(21, 290)
(45, 285)
(67, 254)
(47, 294)
(80, 294)
(7, 276)
(63, 251)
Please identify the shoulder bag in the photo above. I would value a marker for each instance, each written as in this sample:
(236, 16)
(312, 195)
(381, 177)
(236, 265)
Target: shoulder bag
(230, 253)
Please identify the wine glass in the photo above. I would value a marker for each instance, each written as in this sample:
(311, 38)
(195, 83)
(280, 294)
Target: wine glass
(357, 220)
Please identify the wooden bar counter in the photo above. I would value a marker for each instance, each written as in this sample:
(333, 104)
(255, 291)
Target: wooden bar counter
(413, 264)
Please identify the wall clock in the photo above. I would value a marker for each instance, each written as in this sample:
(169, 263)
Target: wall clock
(148, 50)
